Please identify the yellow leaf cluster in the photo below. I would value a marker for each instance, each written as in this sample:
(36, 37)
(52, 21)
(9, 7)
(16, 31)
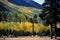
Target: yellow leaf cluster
(25, 26)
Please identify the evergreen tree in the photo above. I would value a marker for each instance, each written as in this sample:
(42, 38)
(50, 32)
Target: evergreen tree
(51, 13)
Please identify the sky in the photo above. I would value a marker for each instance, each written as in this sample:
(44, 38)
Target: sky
(39, 1)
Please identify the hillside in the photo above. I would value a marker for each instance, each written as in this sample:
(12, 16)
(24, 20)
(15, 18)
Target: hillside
(13, 9)
(27, 3)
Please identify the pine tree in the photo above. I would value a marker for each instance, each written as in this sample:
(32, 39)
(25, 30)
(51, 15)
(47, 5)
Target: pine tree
(51, 14)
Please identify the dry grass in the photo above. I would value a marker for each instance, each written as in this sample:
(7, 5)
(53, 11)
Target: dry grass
(25, 10)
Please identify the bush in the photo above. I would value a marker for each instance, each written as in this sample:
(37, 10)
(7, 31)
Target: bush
(43, 33)
(27, 34)
(20, 33)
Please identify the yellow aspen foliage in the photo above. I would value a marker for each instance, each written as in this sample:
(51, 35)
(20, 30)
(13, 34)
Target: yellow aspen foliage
(2, 25)
(49, 27)
(25, 26)
(28, 26)
(36, 28)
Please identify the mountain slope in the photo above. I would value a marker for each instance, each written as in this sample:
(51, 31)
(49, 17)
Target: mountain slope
(28, 3)
(22, 12)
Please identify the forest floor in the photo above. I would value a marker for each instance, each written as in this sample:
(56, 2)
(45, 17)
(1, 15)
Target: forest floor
(28, 38)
